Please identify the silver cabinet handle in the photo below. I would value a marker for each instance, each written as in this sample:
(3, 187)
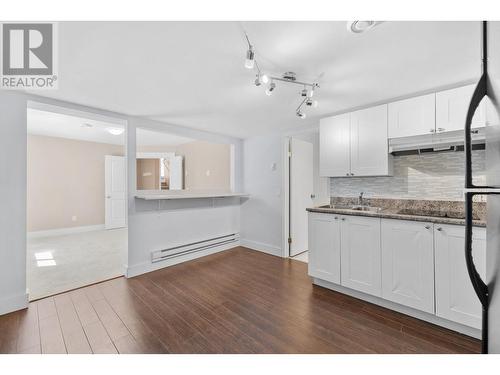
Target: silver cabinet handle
(347, 174)
(336, 217)
(427, 227)
(108, 196)
(352, 174)
(313, 196)
(432, 130)
(474, 131)
(439, 229)
(441, 129)
(343, 219)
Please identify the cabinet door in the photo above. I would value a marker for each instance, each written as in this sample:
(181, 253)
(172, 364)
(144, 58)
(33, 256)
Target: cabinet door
(324, 247)
(414, 116)
(369, 143)
(451, 109)
(334, 136)
(455, 297)
(408, 263)
(360, 254)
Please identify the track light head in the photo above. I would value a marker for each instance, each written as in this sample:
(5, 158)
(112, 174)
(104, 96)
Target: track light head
(257, 80)
(303, 92)
(312, 103)
(310, 93)
(270, 89)
(301, 114)
(264, 78)
(250, 59)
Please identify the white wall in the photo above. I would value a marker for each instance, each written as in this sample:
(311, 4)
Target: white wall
(261, 214)
(12, 202)
(155, 226)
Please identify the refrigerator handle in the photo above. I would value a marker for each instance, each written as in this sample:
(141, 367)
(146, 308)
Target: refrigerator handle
(478, 284)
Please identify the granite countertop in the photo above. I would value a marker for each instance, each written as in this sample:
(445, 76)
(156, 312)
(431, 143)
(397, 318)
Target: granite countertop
(435, 211)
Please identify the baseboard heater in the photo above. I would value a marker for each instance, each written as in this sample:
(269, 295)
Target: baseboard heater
(193, 247)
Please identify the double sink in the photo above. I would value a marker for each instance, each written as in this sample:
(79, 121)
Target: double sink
(363, 208)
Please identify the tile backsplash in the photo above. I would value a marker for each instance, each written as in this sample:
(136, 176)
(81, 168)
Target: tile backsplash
(426, 176)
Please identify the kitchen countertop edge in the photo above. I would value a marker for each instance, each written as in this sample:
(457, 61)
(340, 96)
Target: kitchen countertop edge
(390, 215)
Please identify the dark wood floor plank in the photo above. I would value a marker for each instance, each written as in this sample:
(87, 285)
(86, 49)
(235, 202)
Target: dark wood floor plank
(51, 336)
(28, 339)
(97, 336)
(71, 327)
(237, 301)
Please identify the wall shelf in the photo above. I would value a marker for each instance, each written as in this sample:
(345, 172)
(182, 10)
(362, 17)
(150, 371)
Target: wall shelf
(188, 195)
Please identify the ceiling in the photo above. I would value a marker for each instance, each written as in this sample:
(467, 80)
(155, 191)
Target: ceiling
(192, 73)
(153, 138)
(59, 125)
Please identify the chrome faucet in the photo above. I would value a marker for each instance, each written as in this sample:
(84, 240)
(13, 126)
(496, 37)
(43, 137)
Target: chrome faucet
(360, 199)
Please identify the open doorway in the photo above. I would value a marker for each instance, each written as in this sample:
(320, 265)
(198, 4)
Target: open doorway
(304, 188)
(76, 199)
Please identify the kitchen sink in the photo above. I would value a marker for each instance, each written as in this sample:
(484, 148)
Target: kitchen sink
(353, 208)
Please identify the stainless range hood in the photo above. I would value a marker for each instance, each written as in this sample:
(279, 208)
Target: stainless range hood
(436, 142)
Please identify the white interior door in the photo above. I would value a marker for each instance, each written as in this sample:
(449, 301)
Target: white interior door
(115, 187)
(301, 193)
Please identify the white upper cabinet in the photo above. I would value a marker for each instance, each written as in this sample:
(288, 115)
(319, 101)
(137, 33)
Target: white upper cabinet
(452, 106)
(455, 296)
(324, 247)
(408, 263)
(360, 254)
(369, 144)
(334, 143)
(414, 116)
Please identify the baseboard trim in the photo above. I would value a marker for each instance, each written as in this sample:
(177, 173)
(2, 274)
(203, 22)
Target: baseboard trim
(145, 267)
(64, 231)
(13, 303)
(469, 331)
(262, 247)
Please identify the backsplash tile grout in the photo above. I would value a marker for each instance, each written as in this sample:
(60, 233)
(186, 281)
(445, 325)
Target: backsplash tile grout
(431, 176)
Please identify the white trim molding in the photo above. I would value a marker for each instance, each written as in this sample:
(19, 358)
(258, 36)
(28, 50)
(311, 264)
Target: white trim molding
(13, 303)
(262, 247)
(65, 231)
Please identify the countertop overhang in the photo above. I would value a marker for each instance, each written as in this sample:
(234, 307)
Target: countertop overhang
(187, 195)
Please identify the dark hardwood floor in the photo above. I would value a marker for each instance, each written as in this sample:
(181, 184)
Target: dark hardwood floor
(237, 301)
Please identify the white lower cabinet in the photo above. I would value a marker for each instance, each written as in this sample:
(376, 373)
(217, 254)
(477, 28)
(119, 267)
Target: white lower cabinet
(455, 297)
(360, 254)
(324, 247)
(408, 263)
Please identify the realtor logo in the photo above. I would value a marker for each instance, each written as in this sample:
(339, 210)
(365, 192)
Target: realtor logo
(28, 56)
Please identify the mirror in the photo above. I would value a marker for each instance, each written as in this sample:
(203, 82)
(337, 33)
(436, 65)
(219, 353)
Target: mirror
(166, 161)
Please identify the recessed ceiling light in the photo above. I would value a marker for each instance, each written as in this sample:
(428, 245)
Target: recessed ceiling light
(115, 131)
(358, 27)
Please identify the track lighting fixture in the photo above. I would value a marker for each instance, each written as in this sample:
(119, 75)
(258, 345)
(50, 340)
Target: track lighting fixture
(270, 88)
(288, 77)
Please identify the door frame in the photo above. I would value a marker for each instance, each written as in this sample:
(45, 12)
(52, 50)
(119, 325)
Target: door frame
(285, 196)
(90, 114)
